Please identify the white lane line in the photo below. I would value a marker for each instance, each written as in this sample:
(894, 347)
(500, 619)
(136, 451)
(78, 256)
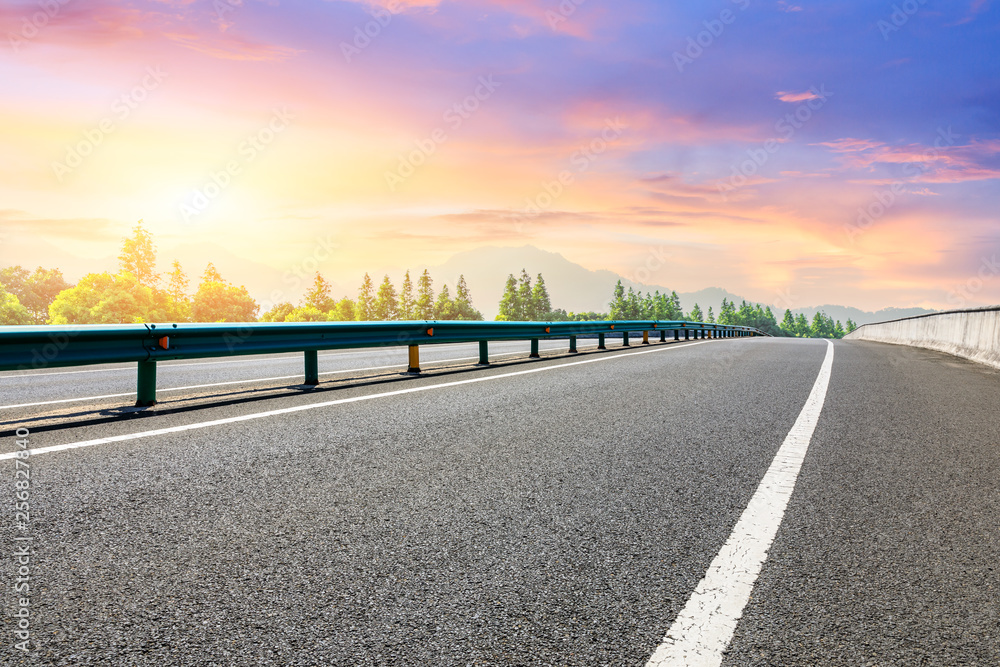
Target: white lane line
(702, 631)
(245, 360)
(253, 380)
(340, 401)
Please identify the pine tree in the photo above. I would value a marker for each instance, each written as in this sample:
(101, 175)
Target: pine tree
(633, 308)
(508, 302)
(618, 305)
(524, 297)
(424, 306)
(463, 302)
(711, 316)
(318, 296)
(138, 256)
(444, 307)
(386, 303)
(406, 298)
(541, 305)
(696, 314)
(676, 312)
(788, 323)
(801, 326)
(364, 309)
(838, 330)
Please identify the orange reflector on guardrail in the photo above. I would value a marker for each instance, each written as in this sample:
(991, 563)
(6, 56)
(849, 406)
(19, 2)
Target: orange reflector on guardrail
(430, 332)
(548, 329)
(165, 342)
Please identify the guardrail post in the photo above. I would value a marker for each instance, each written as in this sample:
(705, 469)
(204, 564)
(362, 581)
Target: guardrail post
(312, 367)
(145, 386)
(677, 334)
(625, 342)
(534, 349)
(572, 344)
(645, 338)
(600, 342)
(414, 366)
(484, 353)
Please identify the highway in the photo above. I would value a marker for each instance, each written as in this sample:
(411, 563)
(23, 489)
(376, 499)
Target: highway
(554, 511)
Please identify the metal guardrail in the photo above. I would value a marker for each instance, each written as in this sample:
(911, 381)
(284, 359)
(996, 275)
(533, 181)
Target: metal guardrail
(34, 347)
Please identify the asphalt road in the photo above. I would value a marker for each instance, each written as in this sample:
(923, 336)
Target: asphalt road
(547, 512)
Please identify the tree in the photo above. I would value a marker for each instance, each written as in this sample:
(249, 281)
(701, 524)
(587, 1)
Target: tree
(318, 297)
(818, 326)
(676, 313)
(541, 305)
(364, 309)
(633, 305)
(463, 302)
(444, 307)
(180, 303)
(696, 314)
(406, 302)
(851, 325)
(425, 297)
(35, 291)
(523, 297)
(838, 330)
(138, 256)
(801, 325)
(103, 298)
(618, 307)
(788, 323)
(11, 309)
(219, 301)
(386, 303)
(508, 302)
(711, 317)
(278, 312)
(344, 312)
(307, 314)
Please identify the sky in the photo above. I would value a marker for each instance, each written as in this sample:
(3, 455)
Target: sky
(798, 153)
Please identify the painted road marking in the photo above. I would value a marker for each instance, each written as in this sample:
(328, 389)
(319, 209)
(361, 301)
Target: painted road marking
(340, 401)
(252, 380)
(702, 631)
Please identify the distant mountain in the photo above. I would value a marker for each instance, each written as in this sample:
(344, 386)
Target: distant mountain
(575, 288)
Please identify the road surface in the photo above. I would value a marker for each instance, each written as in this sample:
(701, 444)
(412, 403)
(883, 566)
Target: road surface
(560, 511)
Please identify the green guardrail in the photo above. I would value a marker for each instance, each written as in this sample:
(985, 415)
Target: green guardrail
(36, 347)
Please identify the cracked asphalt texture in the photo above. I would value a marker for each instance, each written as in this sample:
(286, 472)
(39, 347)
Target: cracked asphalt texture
(555, 518)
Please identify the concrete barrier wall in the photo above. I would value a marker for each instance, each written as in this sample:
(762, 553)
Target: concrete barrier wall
(973, 334)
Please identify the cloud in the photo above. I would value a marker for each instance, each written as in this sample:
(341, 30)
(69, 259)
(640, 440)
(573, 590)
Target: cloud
(796, 97)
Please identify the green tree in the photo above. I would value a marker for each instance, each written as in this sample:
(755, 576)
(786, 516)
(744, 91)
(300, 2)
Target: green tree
(307, 314)
(540, 304)
(278, 312)
(850, 326)
(696, 314)
(463, 302)
(217, 300)
(838, 330)
(508, 302)
(444, 307)
(524, 297)
(818, 328)
(11, 309)
(103, 298)
(801, 326)
(676, 312)
(425, 297)
(386, 302)
(177, 293)
(633, 305)
(618, 306)
(788, 323)
(344, 311)
(711, 316)
(406, 302)
(138, 256)
(318, 297)
(35, 291)
(364, 309)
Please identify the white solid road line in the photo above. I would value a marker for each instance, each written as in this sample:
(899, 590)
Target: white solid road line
(702, 631)
(340, 401)
(290, 356)
(252, 380)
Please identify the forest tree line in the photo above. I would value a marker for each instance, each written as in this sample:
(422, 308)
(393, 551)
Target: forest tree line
(138, 293)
